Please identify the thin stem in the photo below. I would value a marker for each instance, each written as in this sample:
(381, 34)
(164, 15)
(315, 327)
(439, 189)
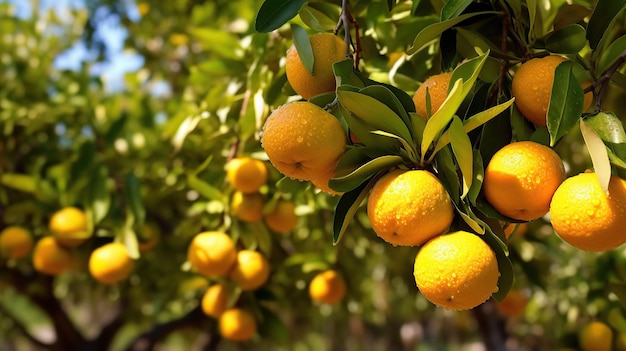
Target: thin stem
(603, 80)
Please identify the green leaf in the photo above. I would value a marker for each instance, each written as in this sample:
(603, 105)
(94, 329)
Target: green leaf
(612, 53)
(387, 97)
(374, 113)
(98, 195)
(22, 182)
(608, 126)
(434, 30)
(476, 121)
(274, 13)
(469, 72)
(346, 75)
(599, 155)
(128, 237)
(448, 175)
(603, 15)
(566, 102)
(357, 177)
(347, 206)
(303, 46)
(462, 149)
(316, 19)
(505, 267)
(477, 182)
(134, 199)
(453, 8)
(570, 14)
(203, 188)
(567, 40)
(438, 122)
(532, 15)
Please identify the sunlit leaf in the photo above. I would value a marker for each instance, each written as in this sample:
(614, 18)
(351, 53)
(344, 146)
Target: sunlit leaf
(437, 123)
(128, 237)
(98, 195)
(462, 149)
(316, 19)
(303, 46)
(598, 154)
(203, 188)
(134, 199)
(566, 102)
(274, 13)
(612, 53)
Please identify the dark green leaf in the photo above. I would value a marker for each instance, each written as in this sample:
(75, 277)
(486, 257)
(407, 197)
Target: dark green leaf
(447, 173)
(346, 75)
(303, 46)
(567, 40)
(603, 15)
(274, 13)
(453, 8)
(479, 173)
(566, 102)
(360, 175)
(434, 30)
(346, 208)
(386, 96)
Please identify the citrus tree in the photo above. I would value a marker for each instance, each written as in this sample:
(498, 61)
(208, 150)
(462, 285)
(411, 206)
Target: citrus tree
(313, 175)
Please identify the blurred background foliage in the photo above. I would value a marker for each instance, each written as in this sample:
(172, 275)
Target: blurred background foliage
(130, 110)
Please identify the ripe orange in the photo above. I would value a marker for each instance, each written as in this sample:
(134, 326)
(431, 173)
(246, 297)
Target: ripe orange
(149, 237)
(69, 226)
(409, 207)
(437, 86)
(521, 178)
(457, 271)
(513, 304)
(251, 270)
(283, 218)
(327, 287)
(15, 242)
(215, 300)
(585, 217)
(51, 258)
(532, 87)
(321, 182)
(247, 207)
(237, 324)
(595, 336)
(327, 49)
(302, 140)
(246, 174)
(212, 253)
(110, 263)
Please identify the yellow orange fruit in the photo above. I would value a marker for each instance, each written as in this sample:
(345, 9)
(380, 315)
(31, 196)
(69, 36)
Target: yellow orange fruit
(513, 304)
(584, 216)
(110, 263)
(149, 237)
(246, 174)
(215, 300)
(521, 178)
(437, 87)
(15, 242)
(457, 271)
(327, 49)
(595, 336)
(409, 207)
(69, 226)
(247, 207)
(302, 140)
(327, 287)
(282, 218)
(51, 258)
(237, 324)
(321, 182)
(212, 253)
(251, 270)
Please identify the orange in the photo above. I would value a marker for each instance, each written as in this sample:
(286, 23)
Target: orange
(247, 207)
(149, 237)
(302, 140)
(595, 336)
(321, 182)
(69, 226)
(237, 324)
(246, 174)
(212, 253)
(437, 87)
(327, 49)
(513, 304)
(251, 270)
(51, 258)
(532, 87)
(457, 271)
(15, 242)
(283, 218)
(110, 263)
(327, 287)
(585, 217)
(409, 207)
(521, 178)
(215, 300)
(518, 229)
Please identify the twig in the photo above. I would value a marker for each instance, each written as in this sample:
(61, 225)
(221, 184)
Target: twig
(603, 80)
(345, 19)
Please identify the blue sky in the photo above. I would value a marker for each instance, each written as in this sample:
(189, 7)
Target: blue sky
(109, 30)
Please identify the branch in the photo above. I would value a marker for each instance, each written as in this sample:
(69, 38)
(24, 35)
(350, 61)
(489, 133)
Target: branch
(605, 77)
(147, 340)
(490, 326)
